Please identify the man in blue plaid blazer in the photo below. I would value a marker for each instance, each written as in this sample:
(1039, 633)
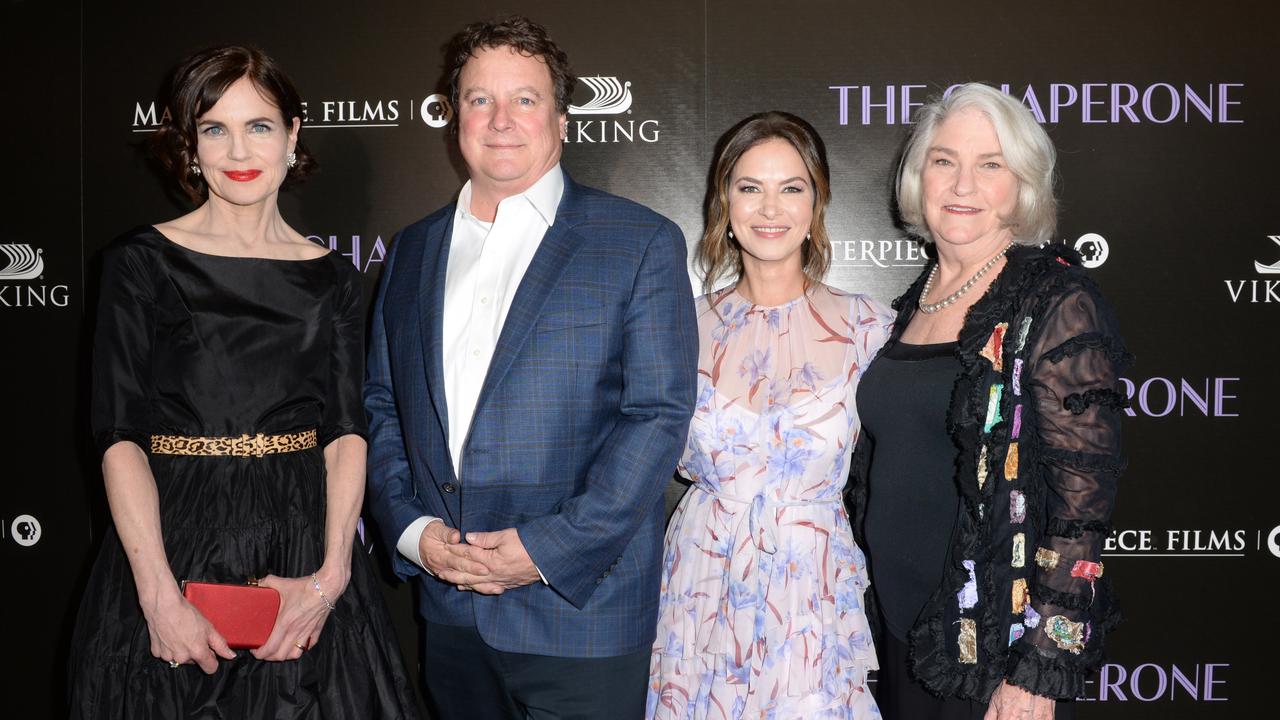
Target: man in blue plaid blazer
(531, 377)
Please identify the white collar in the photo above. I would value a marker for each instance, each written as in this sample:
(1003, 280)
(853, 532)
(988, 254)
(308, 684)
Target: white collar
(544, 195)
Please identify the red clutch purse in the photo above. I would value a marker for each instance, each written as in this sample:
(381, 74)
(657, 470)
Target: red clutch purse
(243, 614)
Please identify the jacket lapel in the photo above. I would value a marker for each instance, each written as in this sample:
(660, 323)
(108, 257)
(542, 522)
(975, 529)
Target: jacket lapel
(558, 247)
(435, 262)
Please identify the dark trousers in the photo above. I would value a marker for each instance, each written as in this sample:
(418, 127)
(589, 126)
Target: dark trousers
(901, 698)
(468, 680)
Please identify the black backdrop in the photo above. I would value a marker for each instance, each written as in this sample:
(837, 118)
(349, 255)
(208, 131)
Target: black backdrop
(1165, 117)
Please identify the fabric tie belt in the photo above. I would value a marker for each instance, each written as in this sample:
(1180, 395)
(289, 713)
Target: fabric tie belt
(763, 517)
(747, 582)
(242, 446)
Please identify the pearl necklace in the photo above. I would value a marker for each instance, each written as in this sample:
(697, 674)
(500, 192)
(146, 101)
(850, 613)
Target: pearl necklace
(928, 284)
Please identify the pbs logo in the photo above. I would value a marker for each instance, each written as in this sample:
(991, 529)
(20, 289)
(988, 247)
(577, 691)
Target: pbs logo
(1093, 250)
(25, 530)
(436, 111)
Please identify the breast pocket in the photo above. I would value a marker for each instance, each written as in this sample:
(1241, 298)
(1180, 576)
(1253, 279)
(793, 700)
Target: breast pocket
(570, 319)
(576, 339)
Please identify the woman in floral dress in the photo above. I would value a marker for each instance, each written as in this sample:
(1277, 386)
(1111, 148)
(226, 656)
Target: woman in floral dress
(761, 611)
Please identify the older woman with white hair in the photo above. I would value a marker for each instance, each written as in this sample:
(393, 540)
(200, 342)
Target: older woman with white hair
(983, 486)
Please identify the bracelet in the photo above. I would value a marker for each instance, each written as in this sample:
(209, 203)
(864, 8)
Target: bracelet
(324, 598)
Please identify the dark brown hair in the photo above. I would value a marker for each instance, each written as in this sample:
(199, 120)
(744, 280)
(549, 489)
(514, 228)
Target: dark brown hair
(717, 253)
(197, 84)
(520, 34)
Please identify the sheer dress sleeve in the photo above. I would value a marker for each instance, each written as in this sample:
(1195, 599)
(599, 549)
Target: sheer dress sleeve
(1074, 381)
(344, 408)
(122, 389)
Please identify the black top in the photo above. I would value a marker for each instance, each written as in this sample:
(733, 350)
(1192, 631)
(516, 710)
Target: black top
(208, 345)
(912, 503)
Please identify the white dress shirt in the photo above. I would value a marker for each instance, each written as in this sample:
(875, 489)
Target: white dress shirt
(486, 263)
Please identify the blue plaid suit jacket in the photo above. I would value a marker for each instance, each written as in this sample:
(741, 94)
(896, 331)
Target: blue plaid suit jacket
(578, 427)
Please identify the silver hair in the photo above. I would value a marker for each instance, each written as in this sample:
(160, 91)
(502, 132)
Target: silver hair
(1028, 153)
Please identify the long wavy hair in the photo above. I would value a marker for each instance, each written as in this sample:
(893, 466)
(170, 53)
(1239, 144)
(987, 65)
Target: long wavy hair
(718, 255)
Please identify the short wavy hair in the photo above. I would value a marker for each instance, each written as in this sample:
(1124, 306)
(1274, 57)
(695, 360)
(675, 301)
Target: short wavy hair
(520, 34)
(1028, 153)
(197, 84)
(718, 255)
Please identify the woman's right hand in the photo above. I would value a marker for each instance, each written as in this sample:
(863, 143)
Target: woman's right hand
(179, 633)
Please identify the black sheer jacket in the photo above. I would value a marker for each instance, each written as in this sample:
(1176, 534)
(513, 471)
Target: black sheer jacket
(1035, 419)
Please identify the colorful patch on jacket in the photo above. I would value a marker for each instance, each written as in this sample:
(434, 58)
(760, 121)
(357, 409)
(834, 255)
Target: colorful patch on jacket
(1020, 596)
(982, 467)
(968, 595)
(1086, 570)
(1046, 558)
(1066, 634)
(1031, 618)
(1017, 377)
(1023, 332)
(1019, 550)
(993, 406)
(1017, 421)
(1016, 631)
(1011, 462)
(1090, 571)
(968, 641)
(1017, 507)
(994, 349)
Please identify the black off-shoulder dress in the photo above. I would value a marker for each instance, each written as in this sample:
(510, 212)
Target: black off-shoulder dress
(192, 344)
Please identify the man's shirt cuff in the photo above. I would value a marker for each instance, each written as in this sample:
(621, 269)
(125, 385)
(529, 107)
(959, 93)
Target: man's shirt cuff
(408, 544)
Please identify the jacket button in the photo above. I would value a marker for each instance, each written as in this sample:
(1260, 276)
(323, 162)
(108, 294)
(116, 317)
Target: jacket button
(449, 488)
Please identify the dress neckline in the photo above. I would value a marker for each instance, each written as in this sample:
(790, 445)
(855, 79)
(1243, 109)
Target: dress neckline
(192, 251)
(948, 343)
(756, 306)
(909, 352)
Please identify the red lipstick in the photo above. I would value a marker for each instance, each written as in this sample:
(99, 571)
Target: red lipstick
(242, 175)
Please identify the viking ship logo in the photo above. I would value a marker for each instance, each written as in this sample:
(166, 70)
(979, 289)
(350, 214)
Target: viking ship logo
(22, 263)
(1272, 269)
(611, 97)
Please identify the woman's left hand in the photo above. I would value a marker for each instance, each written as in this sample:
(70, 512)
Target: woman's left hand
(1010, 702)
(302, 613)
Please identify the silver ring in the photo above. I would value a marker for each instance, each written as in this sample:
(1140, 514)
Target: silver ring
(175, 664)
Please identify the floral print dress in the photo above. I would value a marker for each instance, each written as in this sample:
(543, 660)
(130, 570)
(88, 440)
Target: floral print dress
(761, 611)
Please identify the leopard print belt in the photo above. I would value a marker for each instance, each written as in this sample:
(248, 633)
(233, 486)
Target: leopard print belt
(242, 446)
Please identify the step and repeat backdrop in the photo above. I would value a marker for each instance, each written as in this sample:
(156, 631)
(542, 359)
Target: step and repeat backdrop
(1165, 116)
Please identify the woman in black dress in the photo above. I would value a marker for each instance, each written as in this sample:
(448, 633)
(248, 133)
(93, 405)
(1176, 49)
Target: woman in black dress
(227, 378)
(983, 486)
